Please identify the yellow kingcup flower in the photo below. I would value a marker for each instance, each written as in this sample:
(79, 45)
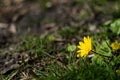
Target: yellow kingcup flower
(115, 45)
(84, 47)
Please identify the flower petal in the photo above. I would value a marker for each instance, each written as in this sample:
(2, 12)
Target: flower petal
(84, 47)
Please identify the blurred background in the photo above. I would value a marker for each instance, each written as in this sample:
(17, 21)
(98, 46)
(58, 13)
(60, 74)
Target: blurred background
(23, 17)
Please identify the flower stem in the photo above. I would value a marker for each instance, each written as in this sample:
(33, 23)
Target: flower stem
(96, 53)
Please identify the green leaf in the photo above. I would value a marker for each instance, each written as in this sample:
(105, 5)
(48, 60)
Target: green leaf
(71, 48)
(98, 60)
(50, 38)
(117, 59)
(104, 49)
(115, 27)
(34, 79)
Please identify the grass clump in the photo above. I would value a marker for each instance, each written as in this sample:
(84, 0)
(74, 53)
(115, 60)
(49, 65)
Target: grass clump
(101, 60)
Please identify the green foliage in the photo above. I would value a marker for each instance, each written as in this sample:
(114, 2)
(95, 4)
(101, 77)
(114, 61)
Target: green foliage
(104, 49)
(71, 48)
(83, 70)
(99, 60)
(37, 46)
(115, 27)
(34, 79)
(117, 61)
(101, 66)
(50, 38)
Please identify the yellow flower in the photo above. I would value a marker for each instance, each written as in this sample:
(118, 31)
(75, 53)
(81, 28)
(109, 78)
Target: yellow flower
(84, 47)
(115, 45)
